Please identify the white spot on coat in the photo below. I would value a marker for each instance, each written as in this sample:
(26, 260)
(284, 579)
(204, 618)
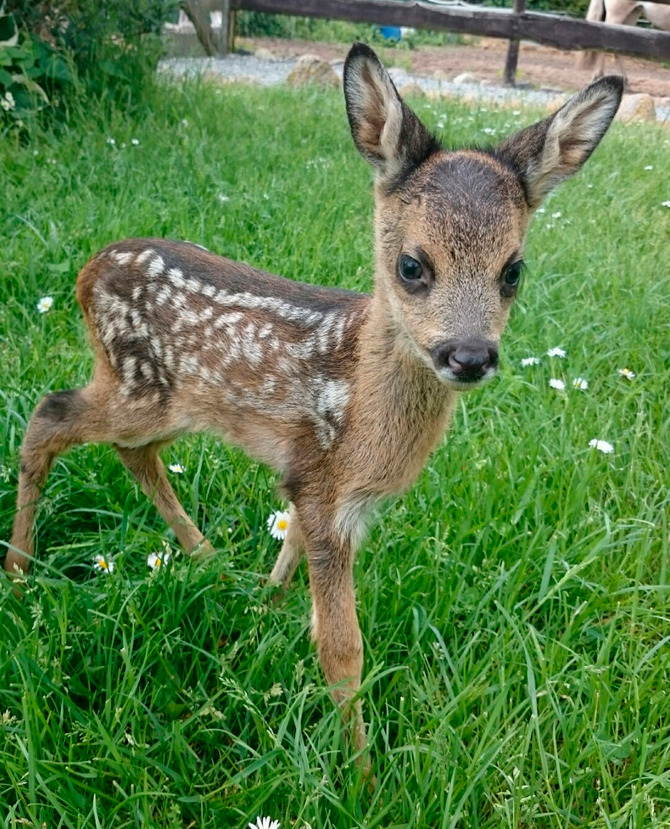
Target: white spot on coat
(163, 295)
(142, 257)
(156, 267)
(188, 363)
(176, 276)
(122, 258)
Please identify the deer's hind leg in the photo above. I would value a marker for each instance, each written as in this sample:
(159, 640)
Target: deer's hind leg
(96, 413)
(145, 464)
(60, 420)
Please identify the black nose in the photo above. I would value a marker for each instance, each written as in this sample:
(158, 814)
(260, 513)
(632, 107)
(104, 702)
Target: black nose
(468, 360)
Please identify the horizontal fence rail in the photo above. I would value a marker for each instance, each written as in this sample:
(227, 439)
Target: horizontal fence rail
(548, 29)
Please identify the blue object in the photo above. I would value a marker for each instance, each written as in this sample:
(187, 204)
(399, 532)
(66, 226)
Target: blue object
(390, 32)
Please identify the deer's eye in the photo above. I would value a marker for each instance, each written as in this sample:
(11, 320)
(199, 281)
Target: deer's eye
(409, 269)
(511, 278)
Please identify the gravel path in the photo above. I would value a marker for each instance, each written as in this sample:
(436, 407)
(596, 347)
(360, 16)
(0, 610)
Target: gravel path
(274, 72)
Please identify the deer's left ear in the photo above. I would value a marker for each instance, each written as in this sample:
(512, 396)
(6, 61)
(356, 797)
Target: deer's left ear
(550, 151)
(385, 130)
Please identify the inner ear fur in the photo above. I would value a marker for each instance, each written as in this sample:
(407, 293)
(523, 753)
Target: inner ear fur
(385, 130)
(552, 150)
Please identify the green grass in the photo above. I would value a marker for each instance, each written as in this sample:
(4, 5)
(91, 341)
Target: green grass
(514, 604)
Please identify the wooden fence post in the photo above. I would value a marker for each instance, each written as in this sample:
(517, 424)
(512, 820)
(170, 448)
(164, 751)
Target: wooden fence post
(232, 15)
(225, 33)
(513, 49)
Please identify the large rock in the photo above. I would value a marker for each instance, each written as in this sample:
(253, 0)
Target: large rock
(465, 77)
(215, 79)
(555, 104)
(310, 69)
(636, 108)
(411, 90)
(264, 54)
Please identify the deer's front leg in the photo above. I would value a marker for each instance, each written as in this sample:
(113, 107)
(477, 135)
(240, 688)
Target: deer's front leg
(335, 624)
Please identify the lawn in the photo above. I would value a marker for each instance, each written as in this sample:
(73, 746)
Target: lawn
(515, 605)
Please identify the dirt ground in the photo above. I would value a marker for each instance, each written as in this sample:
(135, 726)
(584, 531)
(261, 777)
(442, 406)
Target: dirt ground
(539, 66)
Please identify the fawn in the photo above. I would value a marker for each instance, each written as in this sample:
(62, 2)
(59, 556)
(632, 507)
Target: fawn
(342, 393)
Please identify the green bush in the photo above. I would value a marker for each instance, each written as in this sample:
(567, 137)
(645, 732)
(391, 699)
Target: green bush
(575, 8)
(32, 74)
(260, 24)
(50, 50)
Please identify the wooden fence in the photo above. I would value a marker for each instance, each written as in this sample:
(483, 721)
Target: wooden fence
(549, 29)
(515, 24)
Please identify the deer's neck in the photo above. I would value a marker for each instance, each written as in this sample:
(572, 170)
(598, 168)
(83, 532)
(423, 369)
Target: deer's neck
(399, 409)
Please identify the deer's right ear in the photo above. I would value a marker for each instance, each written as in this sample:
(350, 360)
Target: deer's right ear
(385, 130)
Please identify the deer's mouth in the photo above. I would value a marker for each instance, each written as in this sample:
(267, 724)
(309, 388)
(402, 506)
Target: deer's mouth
(465, 382)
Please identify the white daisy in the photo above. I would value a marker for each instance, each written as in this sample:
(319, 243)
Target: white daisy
(265, 823)
(602, 446)
(7, 102)
(665, 203)
(111, 142)
(529, 361)
(580, 383)
(135, 142)
(559, 385)
(45, 304)
(158, 560)
(176, 468)
(649, 167)
(627, 373)
(104, 565)
(557, 351)
(278, 524)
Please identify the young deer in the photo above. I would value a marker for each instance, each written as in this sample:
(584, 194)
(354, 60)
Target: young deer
(342, 393)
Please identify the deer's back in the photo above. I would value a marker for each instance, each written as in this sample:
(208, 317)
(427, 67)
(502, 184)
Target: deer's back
(173, 319)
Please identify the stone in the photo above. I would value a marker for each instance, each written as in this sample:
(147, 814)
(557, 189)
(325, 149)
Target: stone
(220, 80)
(310, 69)
(555, 104)
(465, 77)
(441, 75)
(411, 90)
(264, 54)
(636, 108)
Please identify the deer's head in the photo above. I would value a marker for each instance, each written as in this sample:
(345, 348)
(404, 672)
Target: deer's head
(450, 225)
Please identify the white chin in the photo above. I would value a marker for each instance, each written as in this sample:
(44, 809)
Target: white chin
(454, 382)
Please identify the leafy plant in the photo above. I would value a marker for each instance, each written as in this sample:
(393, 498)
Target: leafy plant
(32, 75)
(50, 49)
